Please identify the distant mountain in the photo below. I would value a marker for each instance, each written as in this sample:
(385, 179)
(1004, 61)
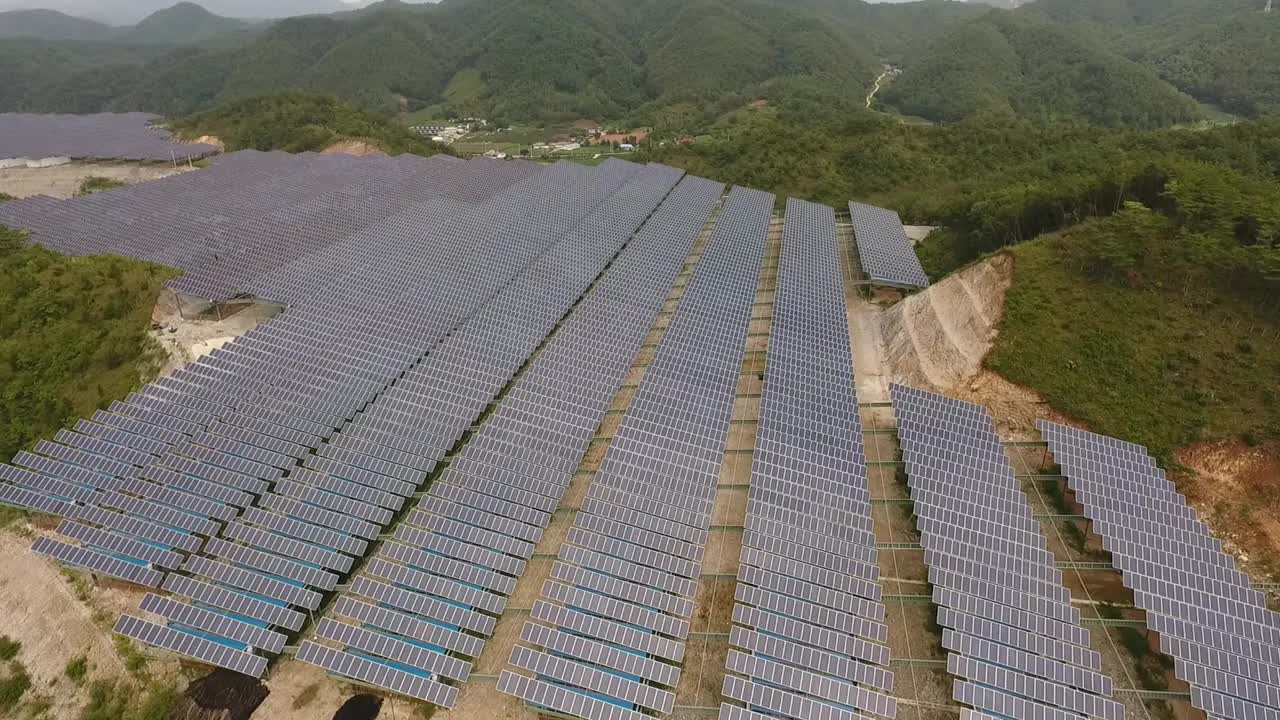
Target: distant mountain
(51, 25)
(129, 12)
(183, 24)
(680, 64)
(1026, 66)
(517, 59)
(1221, 51)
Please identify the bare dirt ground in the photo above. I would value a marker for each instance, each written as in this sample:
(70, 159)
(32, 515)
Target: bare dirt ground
(63, 181)
(352, 147)
(210, 140)
(40, 608)
(1237, 490)
(300, 691)
(937, 340)
(187, 340)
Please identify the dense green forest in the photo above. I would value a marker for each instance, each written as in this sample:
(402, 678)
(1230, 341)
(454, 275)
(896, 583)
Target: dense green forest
(1225, 52)
(73, 336)
(990, 184)
(678, 62)
(1012, 64)
(295, 122)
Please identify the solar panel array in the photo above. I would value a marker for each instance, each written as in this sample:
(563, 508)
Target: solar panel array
(1224, 641)
(1015, 641)
(362, 478)
(809, 638)
(431, 593)
(214, 448)
(102, 136)
(886, 253)
(611, 624)
(240, 226)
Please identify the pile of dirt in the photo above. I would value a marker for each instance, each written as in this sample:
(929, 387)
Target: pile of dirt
(937, 340)
(939, 337)
(39, 608)
(359, 148)
(210, 140)
(360, 707)
(221, 695)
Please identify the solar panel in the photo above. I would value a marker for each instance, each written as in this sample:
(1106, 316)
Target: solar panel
(192, 646)
(1009, 624)
(97, 562)
(214, 623)
(885, 250)
(346, 664)
(101, 136)
(234, 602)
(408, 654)
(554, 697)
(1219, 631)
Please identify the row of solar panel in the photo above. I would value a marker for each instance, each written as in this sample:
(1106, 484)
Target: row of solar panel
(886, 253)
(344, 480)
(100, 136)
(809, 635)
(981, 541)
(221, 215)
(1224, 640)
(459, 551)
(628, 571)
(308, 502)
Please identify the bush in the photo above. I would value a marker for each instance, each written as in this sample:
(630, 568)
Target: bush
(296, 122)
(122, 701)
(9, 647)
(77, 668)
(95, 184)
(14, 686)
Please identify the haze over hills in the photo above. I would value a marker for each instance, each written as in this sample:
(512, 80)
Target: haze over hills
(128, 12)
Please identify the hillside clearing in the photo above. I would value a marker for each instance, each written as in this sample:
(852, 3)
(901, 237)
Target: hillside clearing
(64, 181)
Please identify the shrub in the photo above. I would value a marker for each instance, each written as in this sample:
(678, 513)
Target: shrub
(93, 184)
(9, 647)
(14, 686)
(77, 669)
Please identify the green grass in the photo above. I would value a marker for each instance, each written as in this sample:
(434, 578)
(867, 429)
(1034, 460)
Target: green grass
(1156, 365)
(134, 661)
(122, 701)
(5, 197)
(93, 184)
(10, 517)
(465, 89)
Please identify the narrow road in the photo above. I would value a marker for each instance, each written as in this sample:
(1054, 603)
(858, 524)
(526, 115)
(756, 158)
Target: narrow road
(876, 89)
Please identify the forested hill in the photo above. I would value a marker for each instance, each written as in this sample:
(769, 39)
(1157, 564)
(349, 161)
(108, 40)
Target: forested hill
(1015, 64)
(676, 63)
(1221, 51)
(527, 59)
